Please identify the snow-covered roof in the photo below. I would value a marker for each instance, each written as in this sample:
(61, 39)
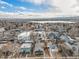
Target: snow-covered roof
(53, 47)
(26, 45)
(24, 33)
(2, 29)
(38, 47)
(66, 38)
(28, 41)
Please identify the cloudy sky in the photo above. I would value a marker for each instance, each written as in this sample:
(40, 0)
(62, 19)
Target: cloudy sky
(43, 8)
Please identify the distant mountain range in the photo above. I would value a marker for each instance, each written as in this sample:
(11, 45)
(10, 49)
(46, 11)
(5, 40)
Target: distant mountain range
(75, 19)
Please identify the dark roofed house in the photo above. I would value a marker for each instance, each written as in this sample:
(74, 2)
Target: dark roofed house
(54, 35)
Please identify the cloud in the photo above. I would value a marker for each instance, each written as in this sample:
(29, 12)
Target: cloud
(66, 6)
(44, 3)
(63, 6)
(28, 15)
(3, 3)
(23, 8)
(54, 7)
(76, 6)
(20, 8)
(37, 2)
(2, 7)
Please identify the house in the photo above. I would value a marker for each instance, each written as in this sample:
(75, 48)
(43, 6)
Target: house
(40, 34)
(50, 36)
(26, 48)
(53, 49)
(2, 30)
(38, 49)
(75, 49)
(24, 36)
(53, 35)
(67, 38)
(13, 32)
